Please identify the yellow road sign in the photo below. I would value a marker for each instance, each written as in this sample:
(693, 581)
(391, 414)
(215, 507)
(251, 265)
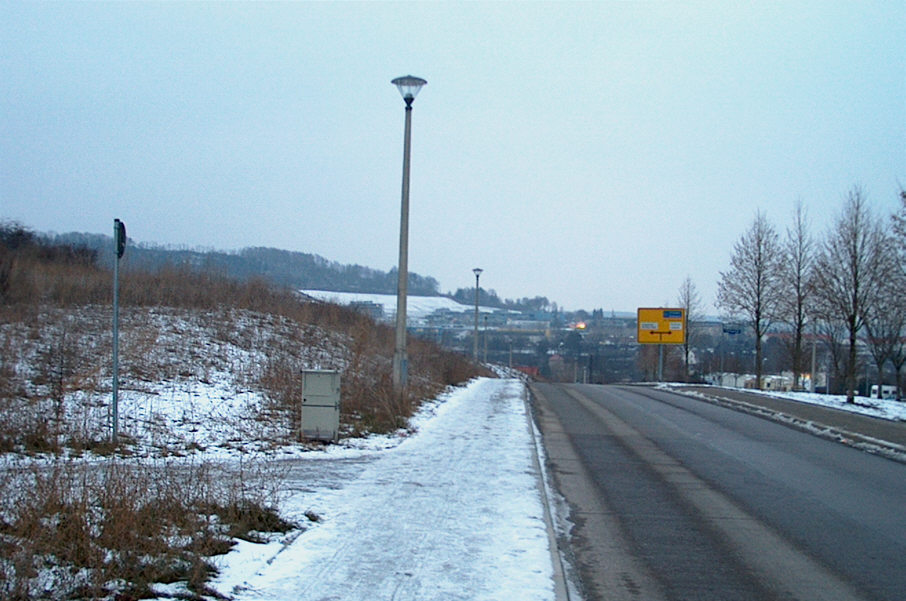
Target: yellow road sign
(662, 326)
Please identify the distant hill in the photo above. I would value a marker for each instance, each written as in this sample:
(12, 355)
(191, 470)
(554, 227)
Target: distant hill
(294, 269)
(297, 270)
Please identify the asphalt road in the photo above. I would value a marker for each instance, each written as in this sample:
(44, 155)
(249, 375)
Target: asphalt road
(677, 498)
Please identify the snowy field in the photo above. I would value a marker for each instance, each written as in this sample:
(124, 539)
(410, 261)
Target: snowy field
(417, 307)
(453, 511)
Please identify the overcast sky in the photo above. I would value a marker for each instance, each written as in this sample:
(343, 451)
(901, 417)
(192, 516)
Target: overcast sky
(593, 153)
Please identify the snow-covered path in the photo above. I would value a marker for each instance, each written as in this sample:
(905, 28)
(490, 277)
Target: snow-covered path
(454, 512)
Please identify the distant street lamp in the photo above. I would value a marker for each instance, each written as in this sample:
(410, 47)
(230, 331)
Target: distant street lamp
(477, 271)
(409, 87)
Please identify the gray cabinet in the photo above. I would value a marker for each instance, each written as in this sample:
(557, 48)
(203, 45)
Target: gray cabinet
(320, 404)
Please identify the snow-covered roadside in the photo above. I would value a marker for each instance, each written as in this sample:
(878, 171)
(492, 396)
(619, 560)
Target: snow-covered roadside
(453, 512)
(880, 408)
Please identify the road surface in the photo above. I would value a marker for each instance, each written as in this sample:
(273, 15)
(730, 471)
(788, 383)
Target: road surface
(675, 498)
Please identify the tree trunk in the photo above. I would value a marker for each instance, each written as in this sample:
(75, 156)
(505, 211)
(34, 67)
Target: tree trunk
(686, 361)
(797, 359)
(899, 377)
(851, 367)
(758, 361)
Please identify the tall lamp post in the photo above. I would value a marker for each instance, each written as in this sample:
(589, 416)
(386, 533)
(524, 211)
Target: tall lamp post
(119, 245)
(408, 87)
(477, 271)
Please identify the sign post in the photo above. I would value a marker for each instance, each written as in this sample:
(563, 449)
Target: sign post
(661, 326)
(119, 246)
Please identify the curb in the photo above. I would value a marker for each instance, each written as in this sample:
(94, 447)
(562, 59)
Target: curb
(561, 587)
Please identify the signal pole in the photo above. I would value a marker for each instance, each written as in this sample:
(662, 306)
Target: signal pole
(119, 247)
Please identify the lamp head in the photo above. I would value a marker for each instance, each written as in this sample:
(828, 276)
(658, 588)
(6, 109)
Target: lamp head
(409, 87)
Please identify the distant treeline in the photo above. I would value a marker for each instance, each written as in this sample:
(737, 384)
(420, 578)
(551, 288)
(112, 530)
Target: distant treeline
(293, 269)
(489, 298)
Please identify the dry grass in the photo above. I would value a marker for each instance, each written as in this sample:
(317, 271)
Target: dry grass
(79, 530)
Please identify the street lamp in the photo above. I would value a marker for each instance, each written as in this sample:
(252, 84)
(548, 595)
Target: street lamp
(477, 271)
(408, 87)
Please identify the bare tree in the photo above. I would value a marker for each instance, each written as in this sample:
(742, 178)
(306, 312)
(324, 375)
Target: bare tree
(849, 272)
(689, 299)
(797, 264)
(885, 320)
(752, 287)
(898, 359)
(832, 331)
(898, 227)
(898, 243)
(898, 352)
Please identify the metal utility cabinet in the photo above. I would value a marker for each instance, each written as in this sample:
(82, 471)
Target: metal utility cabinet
(320, 404)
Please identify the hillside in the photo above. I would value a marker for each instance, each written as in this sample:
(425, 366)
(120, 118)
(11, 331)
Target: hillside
(182, 329)
(210, 391)
(189, 379)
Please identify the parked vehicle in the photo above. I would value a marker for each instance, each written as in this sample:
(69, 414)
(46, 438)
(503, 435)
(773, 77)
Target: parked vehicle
(887, 392)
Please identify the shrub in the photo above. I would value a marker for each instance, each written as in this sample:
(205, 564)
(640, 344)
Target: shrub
(134, 524)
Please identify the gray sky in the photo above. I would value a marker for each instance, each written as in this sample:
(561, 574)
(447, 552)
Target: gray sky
(593, 153)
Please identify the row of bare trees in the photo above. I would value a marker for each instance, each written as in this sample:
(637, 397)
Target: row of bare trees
(847, 287)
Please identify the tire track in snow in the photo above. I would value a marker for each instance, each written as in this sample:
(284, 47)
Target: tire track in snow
(452, 513)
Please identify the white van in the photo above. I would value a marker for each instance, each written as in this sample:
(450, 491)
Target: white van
(887, 392)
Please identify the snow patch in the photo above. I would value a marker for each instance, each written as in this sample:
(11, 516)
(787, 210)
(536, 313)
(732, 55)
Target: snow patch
(417, 307)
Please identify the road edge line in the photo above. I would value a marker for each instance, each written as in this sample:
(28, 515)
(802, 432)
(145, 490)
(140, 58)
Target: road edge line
(561, 586)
